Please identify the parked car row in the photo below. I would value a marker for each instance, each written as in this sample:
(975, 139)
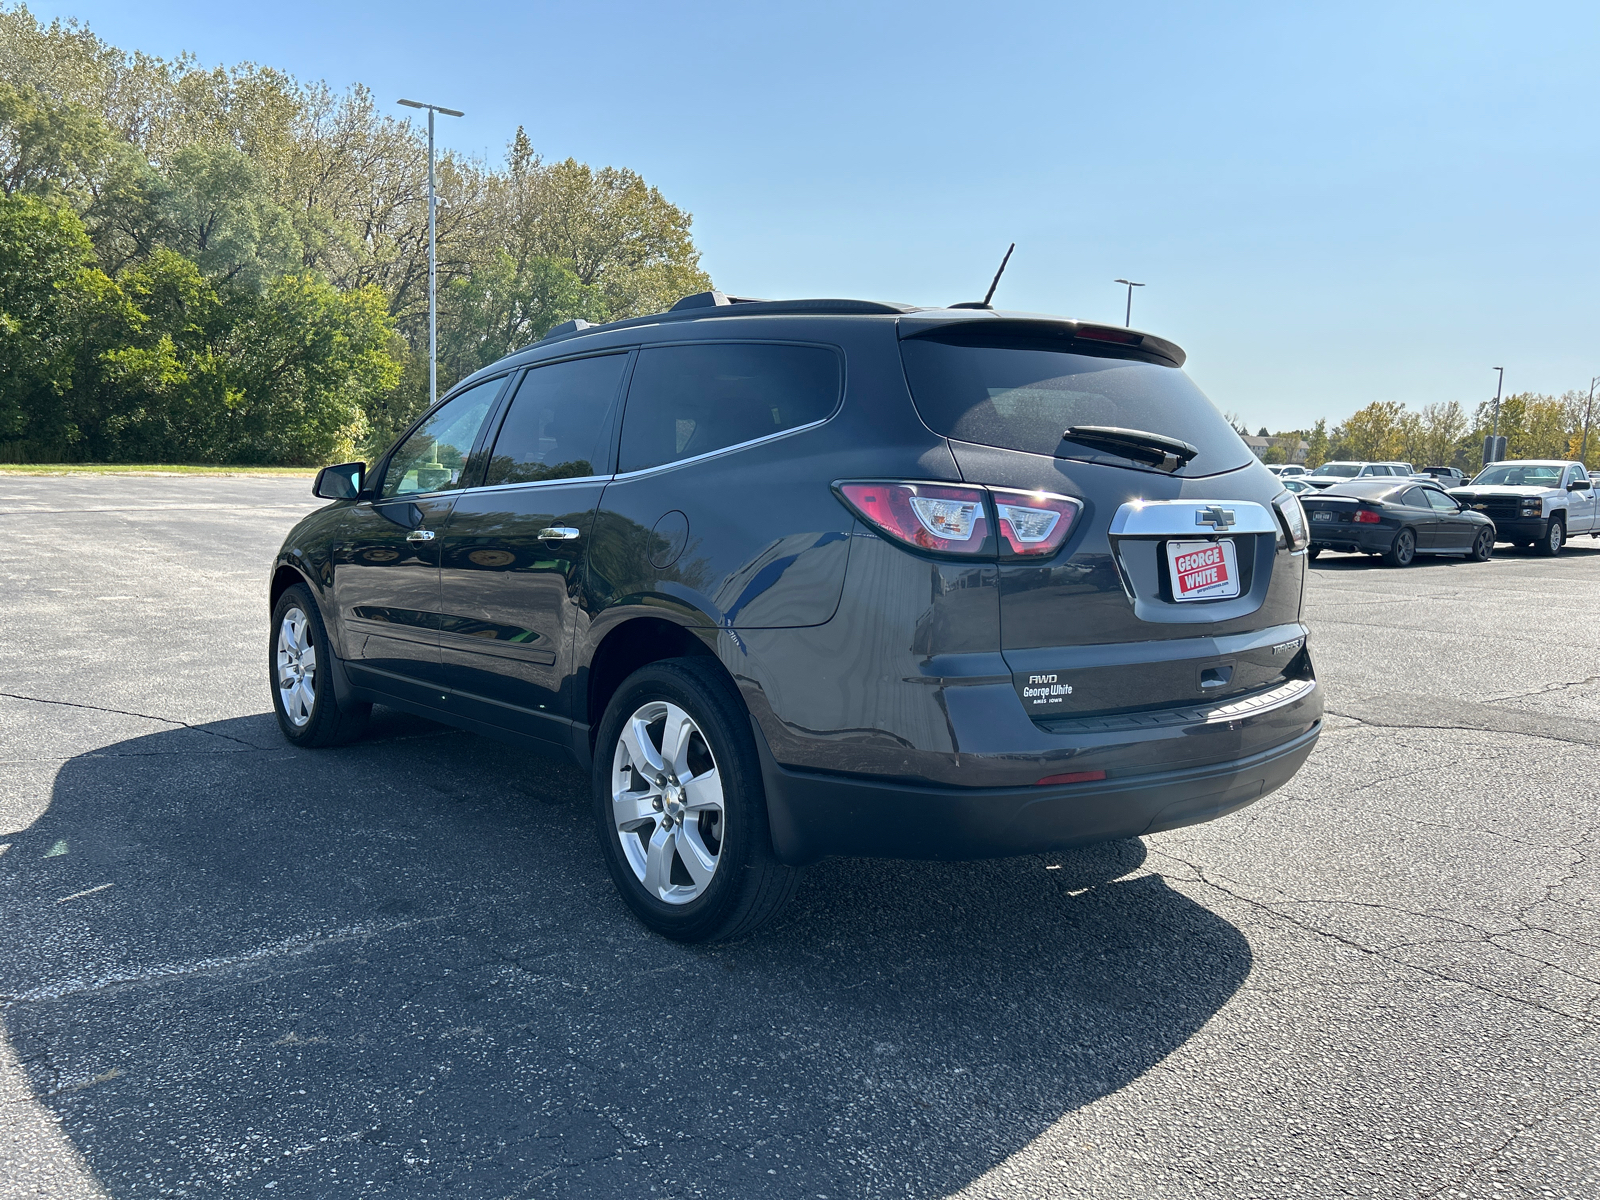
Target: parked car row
(1375, 508)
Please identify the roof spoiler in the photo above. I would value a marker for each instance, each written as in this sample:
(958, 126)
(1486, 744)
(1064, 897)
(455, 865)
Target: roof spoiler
(1112, 340)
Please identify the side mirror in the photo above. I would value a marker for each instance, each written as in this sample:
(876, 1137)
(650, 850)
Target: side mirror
(342, 482)
(1578, 485)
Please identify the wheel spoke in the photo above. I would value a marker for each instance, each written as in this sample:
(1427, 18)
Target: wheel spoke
(701, 863)
(631, 809)
(308, 659)
(646, 759)
(703, 791)
(658, 861)
(307, 698)
(675, 735)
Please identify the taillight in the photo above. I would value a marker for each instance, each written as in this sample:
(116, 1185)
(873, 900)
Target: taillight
(929, 516)
(1366, 516)
(1294, 520)
(1033, 524)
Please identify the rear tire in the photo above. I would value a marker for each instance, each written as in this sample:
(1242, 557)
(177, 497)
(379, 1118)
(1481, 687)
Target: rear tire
(1483, 546)
(1554, 538)
(1403, 551)
(680, 807)
(300, 671)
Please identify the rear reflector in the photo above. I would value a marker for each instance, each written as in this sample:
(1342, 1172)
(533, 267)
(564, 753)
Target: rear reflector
(1072, 777)
(929, 516)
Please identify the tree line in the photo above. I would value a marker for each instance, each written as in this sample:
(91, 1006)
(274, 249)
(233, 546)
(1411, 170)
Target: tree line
(1443, 435)
(229, 265)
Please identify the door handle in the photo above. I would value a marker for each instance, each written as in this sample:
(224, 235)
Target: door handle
(558, 533)
(420, 535)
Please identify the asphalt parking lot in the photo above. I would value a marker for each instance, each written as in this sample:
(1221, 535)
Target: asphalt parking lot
(229, 968)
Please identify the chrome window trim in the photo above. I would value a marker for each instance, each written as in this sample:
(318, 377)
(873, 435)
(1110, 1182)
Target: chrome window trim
(1176, 518)
(734, 449)
(536, 483)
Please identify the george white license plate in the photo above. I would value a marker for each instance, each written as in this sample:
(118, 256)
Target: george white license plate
(1203, 570)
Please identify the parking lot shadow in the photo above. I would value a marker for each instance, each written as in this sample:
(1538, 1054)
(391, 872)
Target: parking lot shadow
(399, 968)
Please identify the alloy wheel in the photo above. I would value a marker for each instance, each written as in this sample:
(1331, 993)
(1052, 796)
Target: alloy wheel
(297, 668)
(1556, 536)
(666, 802)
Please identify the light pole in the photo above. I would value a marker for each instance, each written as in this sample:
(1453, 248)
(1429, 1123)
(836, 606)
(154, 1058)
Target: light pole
(1128, 317)
(433, 270)
(1495, 432)
(1583, 450)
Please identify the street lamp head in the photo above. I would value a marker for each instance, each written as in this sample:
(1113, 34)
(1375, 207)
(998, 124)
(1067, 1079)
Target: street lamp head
(449, 112)
(1129, 282)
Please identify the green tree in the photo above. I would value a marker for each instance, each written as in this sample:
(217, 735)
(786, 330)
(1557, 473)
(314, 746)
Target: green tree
(1374, 432)
(57, 309)
(1317, 443)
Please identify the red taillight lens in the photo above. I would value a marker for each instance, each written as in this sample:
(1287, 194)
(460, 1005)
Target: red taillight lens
(1034, 524)
(1072, 777)
(1366, 516)
(929, 516)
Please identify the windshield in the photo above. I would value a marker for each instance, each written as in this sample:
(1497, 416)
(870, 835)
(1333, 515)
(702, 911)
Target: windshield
(1340, 470)
(1521, 475)
(1014, 389)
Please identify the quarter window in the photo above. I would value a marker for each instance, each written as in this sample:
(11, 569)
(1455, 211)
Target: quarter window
(556, 425)
(690, 400)
(434, 457)
(1414, 497)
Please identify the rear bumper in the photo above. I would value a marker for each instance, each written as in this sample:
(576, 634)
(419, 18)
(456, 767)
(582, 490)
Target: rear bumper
(813, 815)
(1353, 539)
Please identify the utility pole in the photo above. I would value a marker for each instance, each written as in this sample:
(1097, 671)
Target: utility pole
(433, 268)
(1583, 450)
(1128, 318)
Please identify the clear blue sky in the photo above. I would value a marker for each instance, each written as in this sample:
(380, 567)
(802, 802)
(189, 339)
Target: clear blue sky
(1330, 204)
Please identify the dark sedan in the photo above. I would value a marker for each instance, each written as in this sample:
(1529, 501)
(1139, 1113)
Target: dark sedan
(1397, 519)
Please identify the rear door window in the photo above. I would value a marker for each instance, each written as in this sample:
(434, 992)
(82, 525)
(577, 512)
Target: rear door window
(1019, 390)
(690, 400)
(557, 424)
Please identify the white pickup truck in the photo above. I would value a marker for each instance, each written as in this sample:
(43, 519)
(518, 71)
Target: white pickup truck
(1537, 502)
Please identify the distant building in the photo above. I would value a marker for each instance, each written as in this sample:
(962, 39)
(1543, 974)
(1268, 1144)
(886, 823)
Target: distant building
(1294, 449)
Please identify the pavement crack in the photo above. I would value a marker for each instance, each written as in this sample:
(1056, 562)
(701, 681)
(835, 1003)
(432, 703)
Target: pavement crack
(1200, 877)
(122, 712)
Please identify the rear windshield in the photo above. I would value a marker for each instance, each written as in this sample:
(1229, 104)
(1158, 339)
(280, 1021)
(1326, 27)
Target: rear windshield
(1339, 470)
(1015, 391)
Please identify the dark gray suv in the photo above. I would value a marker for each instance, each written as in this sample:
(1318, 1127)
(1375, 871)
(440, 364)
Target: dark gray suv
(801, 578)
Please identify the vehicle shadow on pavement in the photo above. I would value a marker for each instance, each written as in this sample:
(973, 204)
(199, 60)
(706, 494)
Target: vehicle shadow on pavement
(400, 968)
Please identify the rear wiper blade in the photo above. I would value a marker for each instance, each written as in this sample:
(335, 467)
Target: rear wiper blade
(1153, 448)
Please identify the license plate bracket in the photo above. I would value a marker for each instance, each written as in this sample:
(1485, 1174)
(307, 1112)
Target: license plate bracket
(1203, 569)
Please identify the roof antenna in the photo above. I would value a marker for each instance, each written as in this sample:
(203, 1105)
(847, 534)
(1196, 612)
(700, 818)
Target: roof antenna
(989, 295)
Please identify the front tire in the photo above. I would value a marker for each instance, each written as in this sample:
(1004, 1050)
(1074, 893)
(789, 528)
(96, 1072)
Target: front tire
(1483, 546)
(300, 662)
(1554, 538)
(680, 808)
(1402, 551)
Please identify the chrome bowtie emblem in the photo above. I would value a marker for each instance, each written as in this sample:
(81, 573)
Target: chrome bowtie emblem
(1218, 518)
